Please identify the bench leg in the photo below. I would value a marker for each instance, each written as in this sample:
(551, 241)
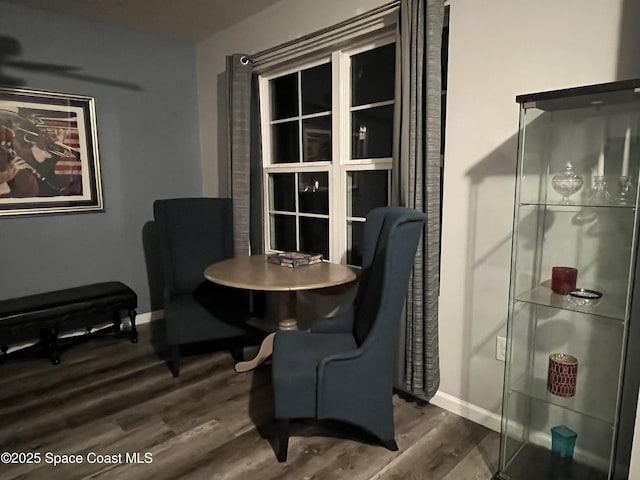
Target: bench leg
(134, 331)
(117, 323)
(49, 341)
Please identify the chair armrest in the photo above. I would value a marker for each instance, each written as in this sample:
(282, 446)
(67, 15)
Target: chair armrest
(344, 380)
(339, 375)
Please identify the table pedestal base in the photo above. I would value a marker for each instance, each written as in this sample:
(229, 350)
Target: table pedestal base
(281, 309)
(266, 349)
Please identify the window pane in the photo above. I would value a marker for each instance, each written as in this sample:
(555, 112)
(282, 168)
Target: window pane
(313, 192)
(355, 241)
(314, 235)
(283, 191)
(365, 191)
(372, 132)
(316, 89)
(283, 232)
(317, 139)
(373, 75)
(284, 96)
(285, 146)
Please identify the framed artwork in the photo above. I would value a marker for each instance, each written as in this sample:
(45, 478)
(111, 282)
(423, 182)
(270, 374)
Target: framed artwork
(48, 153)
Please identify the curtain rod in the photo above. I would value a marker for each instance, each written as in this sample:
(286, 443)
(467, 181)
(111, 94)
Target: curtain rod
(377, 11)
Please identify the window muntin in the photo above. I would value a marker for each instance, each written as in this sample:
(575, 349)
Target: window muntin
(299, 137)
(372, 94)
(299, 211)
(344, 137)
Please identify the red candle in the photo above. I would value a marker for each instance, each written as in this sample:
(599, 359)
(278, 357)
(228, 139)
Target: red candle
(563, 279)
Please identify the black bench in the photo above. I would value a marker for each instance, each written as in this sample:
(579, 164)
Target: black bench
(46, 315)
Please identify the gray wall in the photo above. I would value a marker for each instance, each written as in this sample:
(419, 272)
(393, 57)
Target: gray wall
(148, 128)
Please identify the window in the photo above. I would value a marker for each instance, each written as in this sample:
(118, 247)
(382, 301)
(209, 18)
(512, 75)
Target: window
(327, 146)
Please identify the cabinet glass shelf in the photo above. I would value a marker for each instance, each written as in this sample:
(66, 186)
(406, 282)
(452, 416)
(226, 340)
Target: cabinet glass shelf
(538, 331)
(576, 205)
(604, 307)
(537, 389)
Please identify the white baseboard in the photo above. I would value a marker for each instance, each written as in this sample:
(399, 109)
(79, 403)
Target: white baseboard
(148, 317)
(467, 410)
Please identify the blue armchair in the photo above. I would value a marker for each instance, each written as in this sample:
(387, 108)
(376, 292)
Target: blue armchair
(342, 368)
(194, 233)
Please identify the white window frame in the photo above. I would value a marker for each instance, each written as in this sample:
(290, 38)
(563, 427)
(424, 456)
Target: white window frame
(341, 114)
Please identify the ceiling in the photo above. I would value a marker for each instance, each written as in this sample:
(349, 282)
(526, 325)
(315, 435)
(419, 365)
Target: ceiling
(190, 20)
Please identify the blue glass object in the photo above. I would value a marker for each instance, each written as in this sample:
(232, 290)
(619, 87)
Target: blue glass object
(563, 440)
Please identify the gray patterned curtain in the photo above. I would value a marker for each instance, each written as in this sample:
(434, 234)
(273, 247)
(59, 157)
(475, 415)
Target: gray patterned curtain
(416, 184)
(244, 154)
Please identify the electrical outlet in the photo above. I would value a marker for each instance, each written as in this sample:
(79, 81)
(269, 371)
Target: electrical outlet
(501, 348)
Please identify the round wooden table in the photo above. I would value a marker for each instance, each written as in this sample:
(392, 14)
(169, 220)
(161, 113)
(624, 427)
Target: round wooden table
(281, 284)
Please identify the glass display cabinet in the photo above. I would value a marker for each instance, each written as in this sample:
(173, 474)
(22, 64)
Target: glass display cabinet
(571, 373)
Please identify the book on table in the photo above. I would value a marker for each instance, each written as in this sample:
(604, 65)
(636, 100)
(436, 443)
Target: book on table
(294, 259)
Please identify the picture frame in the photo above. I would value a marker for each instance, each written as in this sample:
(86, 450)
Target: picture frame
(49, 160)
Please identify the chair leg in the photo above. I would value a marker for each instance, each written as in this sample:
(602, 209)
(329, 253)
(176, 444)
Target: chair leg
(175, 360)
(282, 440)
(390, 444)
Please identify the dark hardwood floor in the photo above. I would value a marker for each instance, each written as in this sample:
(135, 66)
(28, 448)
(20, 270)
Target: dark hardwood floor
(109, 400)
